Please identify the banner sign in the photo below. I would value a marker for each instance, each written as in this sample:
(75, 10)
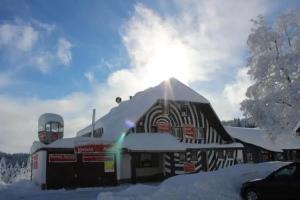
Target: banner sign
(60, 158)
(163, 127)
(97, 157)
(109, 166)
(35, 161)
(188, 131)
(189, 167)
(92, 148)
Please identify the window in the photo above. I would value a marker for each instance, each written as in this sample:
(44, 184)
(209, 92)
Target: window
(98, 132)
(140, 129)
(230, 154)
(147, 160)
(199, 133)
(194, 156)
(285, 172)
(48, 127)
(153, 129)
(54, 127)
(177, 131)
(249, 156)
(220, 154)
(185, 110)
(182, 157)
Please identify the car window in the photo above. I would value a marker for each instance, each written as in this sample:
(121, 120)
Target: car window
(285, 172)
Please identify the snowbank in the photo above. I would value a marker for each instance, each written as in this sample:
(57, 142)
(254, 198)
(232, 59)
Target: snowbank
(222, 184)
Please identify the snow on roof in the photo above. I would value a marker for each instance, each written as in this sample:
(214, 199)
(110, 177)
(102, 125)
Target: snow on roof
(254, 136)
(67, 143)
(114, 123)
(152, 142)
(166, 142)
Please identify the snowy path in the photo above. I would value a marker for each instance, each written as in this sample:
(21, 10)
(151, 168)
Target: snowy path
(26, 190)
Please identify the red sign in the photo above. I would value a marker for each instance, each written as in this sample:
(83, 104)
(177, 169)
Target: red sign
(163, 127)
(188, 131)
(59, 158)
(96, 157)
(42, 136)
(34, 161)
(189, 167)
(92, 148)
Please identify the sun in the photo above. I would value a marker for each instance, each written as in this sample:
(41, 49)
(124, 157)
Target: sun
(167, 62)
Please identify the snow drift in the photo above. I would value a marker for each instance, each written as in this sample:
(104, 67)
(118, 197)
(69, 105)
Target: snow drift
(222, 184)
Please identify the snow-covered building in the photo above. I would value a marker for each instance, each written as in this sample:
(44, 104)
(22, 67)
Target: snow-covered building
(163, 131)
(258, 145)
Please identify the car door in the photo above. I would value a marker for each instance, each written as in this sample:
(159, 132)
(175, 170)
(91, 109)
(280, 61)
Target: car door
(278, 185)
(295, 183)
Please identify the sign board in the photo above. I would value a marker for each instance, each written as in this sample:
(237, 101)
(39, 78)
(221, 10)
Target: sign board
(163, 127)
(188, 131)
(92, 148)
(61, 158)
(97, 157)
(109, 166)
(189, 167)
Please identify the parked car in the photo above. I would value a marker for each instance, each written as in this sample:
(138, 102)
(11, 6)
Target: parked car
(284, 183)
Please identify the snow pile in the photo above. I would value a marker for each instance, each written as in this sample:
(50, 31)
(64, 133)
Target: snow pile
(222, 184)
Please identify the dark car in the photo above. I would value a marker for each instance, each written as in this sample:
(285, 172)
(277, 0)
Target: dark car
(284, 183)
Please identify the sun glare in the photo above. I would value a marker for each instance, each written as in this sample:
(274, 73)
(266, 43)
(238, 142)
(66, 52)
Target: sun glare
(167, 62)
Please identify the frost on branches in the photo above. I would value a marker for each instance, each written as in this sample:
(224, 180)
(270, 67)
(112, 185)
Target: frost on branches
(273, 101)
(10, 173)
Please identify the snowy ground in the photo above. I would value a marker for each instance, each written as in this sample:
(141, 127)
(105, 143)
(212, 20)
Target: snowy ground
(223, 184)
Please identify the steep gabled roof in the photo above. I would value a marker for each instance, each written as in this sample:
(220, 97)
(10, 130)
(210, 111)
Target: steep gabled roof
(116, 121)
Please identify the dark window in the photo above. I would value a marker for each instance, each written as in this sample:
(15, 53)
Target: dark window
(140, 129)
(153, 129)
(249, 156)
(48, 127)
(230, 153)
(185, 110)
(285, 172)
(194, 156)
(147, 160)
(98, 132)
(220, 154)
(199, 133)
(182, 157)
(177, 131)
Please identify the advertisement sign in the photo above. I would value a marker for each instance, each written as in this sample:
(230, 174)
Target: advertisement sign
(189, 167)
(92, 148)
(109, 166)
(59, 158)
(188, 131)
(96, 157)
(163, 127)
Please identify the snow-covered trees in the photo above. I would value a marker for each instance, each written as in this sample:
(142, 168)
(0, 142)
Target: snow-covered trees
(10, 173)
(273, 101)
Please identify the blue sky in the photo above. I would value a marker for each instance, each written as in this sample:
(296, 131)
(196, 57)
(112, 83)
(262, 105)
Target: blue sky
(71, 56)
